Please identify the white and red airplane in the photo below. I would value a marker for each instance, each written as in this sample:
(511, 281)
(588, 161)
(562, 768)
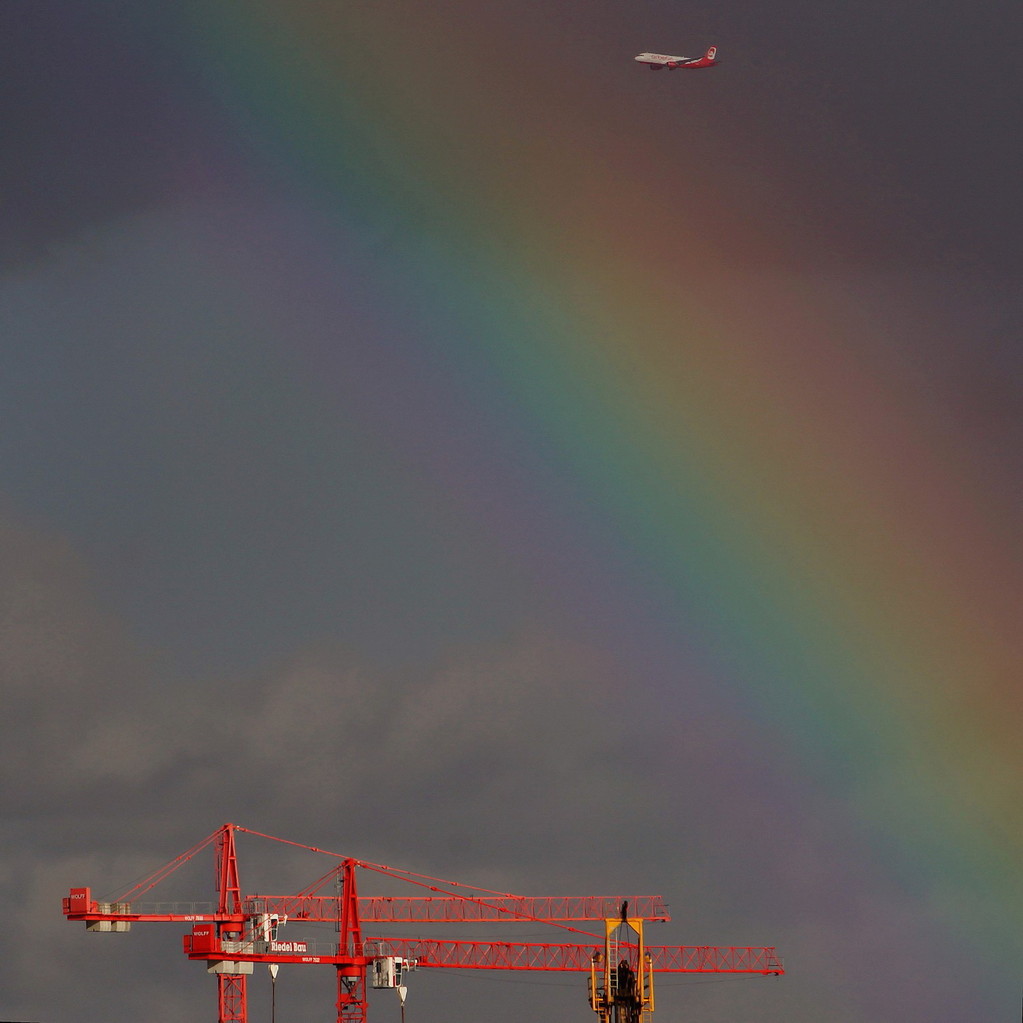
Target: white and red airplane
(655, 61)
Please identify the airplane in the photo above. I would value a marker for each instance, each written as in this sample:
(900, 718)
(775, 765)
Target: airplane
(655, 61)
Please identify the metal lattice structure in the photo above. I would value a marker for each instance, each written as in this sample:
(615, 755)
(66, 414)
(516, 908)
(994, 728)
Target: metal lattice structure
(236, 931)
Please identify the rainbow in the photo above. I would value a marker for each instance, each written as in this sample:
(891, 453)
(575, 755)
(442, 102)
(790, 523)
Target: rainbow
(622, 362)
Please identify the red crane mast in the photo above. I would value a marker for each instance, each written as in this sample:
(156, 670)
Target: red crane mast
(237, 931)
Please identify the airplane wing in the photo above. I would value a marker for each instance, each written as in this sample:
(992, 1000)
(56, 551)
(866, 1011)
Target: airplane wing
(656, 61)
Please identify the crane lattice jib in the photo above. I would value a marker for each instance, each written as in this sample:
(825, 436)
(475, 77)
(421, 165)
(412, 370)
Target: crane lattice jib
(504, 955)
(460, 909)
(375, 909)
(494, 955)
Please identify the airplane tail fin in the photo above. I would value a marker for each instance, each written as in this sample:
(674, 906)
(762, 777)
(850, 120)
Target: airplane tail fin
(709, 59)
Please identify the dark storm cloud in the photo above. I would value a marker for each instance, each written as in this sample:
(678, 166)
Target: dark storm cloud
(892, 126)
(100, 733)
(99, 722)
(161, 410)
(222, 598)
(94, 106)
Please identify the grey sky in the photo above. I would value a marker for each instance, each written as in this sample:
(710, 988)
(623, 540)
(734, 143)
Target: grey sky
(281, 543)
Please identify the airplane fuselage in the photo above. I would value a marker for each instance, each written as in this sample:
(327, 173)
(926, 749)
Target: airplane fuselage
(656, 61)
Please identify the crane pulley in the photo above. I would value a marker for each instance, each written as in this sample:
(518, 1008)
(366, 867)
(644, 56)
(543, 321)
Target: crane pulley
(237, 931)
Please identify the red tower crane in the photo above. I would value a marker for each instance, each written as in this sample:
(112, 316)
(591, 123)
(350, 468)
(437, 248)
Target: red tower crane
(238, 931)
